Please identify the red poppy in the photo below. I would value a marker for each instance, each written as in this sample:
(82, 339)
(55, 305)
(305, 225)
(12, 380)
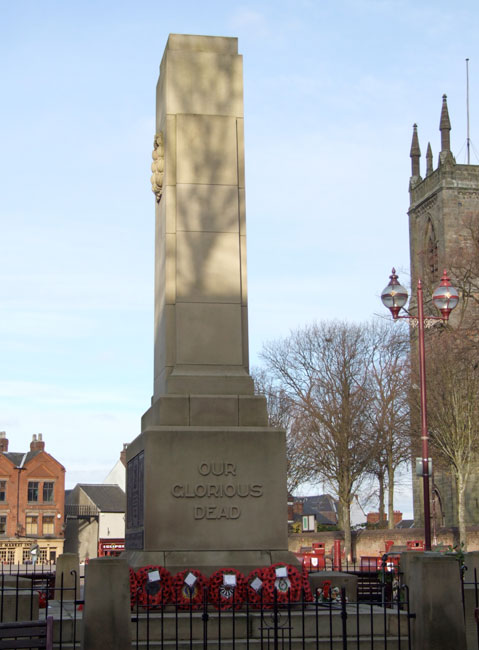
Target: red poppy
(133, 588)
(42, 599)
(154, 585)
(188, 593)
(307, 593)
(287, 588)
(223, 595)
(257, 594)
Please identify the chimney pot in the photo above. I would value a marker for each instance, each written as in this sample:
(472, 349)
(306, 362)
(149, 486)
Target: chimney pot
(37, 444)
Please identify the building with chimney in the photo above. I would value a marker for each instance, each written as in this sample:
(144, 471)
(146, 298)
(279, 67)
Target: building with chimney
(443, 222)
(32, 497)
(95, 520)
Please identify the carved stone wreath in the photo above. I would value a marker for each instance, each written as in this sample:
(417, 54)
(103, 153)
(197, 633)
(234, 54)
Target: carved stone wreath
(157, 166)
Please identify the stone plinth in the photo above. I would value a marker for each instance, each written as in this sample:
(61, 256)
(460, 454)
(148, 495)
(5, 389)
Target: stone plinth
(214, 497)
(435, 597)
(67, 577)
(107, 614)
(19, 602)
(337, 579)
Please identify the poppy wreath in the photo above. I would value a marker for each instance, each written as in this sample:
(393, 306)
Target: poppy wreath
(258, 598)
(287, 589)
(133, 588)
(42, 599)
(307, 593)
(223, 596)
(153, 592)
(322, 592)
(186, 596)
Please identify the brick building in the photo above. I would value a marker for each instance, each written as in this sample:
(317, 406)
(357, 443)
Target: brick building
(443, 216)
(32, 497)
(373, 518)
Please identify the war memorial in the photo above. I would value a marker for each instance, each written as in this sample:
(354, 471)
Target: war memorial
(206, 478)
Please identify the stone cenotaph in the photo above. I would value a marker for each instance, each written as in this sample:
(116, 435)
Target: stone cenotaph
(206, 478)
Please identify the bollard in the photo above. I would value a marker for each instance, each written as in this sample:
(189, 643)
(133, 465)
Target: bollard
(107, 614)
(68, 566)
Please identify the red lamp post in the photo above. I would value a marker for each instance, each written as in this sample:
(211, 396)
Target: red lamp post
(445, 297)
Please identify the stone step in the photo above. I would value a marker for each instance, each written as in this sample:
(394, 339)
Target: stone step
(186, 630)
(336, 643)
(310, 624)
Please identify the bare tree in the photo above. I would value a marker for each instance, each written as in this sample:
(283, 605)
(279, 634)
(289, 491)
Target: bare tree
(323, 373)
(453, 409)
(389, 410)
(282, 413)
(452, 370)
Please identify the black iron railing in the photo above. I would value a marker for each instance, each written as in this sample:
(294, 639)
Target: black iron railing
(331, 624)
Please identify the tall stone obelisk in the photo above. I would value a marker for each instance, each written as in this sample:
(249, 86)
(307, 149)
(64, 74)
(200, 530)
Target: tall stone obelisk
(206, 478)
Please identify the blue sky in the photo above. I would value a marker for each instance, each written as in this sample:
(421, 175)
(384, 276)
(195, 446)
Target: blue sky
(331, 92)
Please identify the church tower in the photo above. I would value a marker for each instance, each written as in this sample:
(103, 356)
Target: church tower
(443, 220)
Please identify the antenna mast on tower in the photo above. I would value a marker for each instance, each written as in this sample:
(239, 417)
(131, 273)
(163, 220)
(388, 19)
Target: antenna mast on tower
(468, 139)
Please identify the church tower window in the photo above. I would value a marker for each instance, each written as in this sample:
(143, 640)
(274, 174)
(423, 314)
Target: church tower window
(432, 264)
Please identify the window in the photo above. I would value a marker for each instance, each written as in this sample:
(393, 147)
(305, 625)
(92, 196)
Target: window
(48, 525)
(32, 491)
(26, 557)
(3, 490)
(431, 252)
(43, 557)
(3, 555)
(3, 524)
(11, 555)
(48, 492)
(31, 525)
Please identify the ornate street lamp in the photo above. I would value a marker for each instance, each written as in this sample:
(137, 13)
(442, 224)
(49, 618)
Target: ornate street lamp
(445, 297)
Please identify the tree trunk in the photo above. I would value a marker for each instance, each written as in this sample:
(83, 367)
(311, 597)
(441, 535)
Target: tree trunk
(390, 471)
(346, 526)
(382, 510)
(461, 510)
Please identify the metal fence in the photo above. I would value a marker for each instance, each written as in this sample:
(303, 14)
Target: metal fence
(334, 624)
(32, 592)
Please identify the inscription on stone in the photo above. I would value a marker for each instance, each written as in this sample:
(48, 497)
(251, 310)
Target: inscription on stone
(134, 491)
(210, 488)
(134, 541)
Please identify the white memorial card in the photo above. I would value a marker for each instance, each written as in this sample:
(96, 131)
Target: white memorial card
(190, 579)
(154, 576)
(257, 584)
(281, 572)
(229, 580)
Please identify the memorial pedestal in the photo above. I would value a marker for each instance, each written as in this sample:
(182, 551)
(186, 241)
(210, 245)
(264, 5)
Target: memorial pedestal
(207, 497)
